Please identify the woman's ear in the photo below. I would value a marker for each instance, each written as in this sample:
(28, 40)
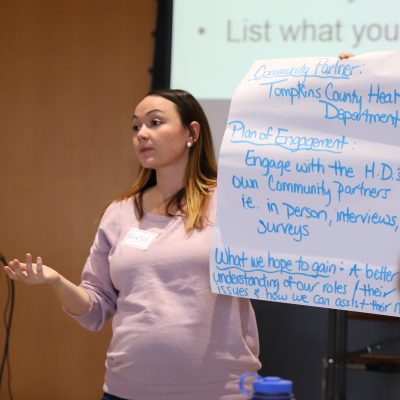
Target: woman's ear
(194, 128)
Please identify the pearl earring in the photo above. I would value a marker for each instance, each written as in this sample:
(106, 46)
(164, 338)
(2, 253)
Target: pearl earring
(189, 144)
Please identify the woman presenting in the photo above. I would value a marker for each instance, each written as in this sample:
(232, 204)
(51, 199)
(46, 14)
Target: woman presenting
(148, 269)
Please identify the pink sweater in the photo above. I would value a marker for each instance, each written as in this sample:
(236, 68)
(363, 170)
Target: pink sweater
(172, 338)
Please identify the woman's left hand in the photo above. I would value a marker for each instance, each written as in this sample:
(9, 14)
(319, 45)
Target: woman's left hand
(345, 56)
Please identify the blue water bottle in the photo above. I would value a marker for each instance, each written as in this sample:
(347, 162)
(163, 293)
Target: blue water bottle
(269, 388)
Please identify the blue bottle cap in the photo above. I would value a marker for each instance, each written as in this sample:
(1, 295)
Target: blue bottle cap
(272, 384)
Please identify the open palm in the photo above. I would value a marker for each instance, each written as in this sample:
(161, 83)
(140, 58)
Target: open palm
(31, 273)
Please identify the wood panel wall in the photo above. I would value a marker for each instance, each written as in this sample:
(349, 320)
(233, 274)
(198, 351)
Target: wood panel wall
(71, 72)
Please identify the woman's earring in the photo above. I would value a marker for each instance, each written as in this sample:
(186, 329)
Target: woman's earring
(189, 144)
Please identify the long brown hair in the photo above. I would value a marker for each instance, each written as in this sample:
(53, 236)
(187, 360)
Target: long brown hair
(201, 171)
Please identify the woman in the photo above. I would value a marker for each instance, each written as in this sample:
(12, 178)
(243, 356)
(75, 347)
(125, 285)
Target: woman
(149, 269)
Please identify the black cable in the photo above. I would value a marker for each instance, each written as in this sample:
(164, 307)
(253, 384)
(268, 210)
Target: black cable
(11, 291)
(7, 324)
(7, 321)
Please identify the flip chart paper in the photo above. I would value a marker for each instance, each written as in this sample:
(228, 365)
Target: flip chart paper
(309, 185)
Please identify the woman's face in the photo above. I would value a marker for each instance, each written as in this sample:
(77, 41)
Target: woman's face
(160, 140)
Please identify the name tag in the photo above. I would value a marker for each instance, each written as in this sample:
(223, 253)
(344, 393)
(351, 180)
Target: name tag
(139, 239)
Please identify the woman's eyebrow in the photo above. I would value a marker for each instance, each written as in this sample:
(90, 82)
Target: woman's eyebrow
(148, 113)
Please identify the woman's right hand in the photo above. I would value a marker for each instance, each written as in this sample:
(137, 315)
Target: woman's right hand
(31, 273)
(72, 297)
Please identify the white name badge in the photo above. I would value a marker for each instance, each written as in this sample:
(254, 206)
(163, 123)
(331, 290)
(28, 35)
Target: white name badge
(139, 239)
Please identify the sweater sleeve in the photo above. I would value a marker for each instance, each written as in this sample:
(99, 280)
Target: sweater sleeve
(96, 278)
